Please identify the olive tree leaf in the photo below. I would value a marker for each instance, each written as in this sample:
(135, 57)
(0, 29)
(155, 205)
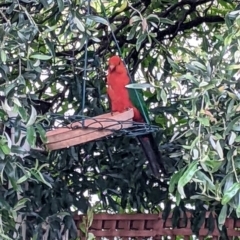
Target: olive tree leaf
(222, 216)
(31, 136)
(186, 177)
(230, 193)
(32, 117)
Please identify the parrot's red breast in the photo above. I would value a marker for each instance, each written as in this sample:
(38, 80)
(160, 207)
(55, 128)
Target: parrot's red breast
(117, 79)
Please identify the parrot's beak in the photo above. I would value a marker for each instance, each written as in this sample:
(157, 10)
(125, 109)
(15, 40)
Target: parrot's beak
(111, 67)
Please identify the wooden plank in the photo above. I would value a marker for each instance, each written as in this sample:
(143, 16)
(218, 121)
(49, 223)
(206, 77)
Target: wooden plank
(87, 122)
(66, 137)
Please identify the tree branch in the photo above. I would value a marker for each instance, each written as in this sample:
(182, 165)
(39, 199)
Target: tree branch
(172, 31)
(182, 3)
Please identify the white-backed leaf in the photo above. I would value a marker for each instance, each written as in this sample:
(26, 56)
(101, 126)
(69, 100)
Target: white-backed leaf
(8, 140)
(153, 17)
(163, 95)
(99, 20)
(134, 19)
(232, 138)
(60, 5)
(166, 20)
(16, 101)
(79, 24)
(3, 56)
(139, 85)
(222, 216)
(32, 118)
(199, 65)
(6, 107)
(212, 142)
(219, 149)
(40, 56)
(31, 136)
(186, 177)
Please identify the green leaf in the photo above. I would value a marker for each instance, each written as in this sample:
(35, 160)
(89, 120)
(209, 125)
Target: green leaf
(97, 40)
(60, 5)
(3, 115)
(175, 179)
(6, 150)
(41, 132)
(82, 42)
(199, 65)
(222, 216)
(140, 40)
(79, 24)
(38, 175)
(209, 69)
(231, 124)
(132, 33)
(234, 14)
(40, 56)
(190, 77)
(14, 184)
(135, 19)
(50, 47)
(91, 236)
(20, 204)
(139, 85)
(24, 178)
(166, 20)
(45, 3)
(3, 56)
(5, 237)
(31, 136)
(213, 165)
(23, 113)
(238, 211)
(99, 19)
(204, 121)
(230, 193)
(163, 95)
(9, 88)
(90, 216)
(219, 149)
(17, 102)
(32, 117)
(178, 198)
(228, 182)
(153, 17)
(82, 227)
(232, 138)
(173, 65)
(228, 40)
(233, 67)
(186, 177)
(193, 144)
(204, 177)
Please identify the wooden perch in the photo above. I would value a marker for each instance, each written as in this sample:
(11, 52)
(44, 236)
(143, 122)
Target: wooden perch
(74, 134)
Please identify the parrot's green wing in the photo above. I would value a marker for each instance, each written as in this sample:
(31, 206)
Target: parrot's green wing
(137, 100)
(148, 143)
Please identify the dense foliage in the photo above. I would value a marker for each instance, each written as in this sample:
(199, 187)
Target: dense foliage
(53, 58)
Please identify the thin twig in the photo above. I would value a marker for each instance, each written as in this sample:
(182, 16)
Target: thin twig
(5, 18)
(234, 169)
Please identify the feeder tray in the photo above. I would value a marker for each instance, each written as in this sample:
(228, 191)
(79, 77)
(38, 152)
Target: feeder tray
(88, 130)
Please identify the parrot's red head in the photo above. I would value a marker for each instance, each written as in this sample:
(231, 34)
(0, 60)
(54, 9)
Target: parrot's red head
(113, 62)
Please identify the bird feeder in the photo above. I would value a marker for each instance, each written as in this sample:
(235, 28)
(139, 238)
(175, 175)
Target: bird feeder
(88, 130)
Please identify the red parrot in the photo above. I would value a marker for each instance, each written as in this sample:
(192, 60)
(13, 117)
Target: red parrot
(122, 99)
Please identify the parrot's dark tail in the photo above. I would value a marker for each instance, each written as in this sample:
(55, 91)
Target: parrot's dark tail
(152, 153)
